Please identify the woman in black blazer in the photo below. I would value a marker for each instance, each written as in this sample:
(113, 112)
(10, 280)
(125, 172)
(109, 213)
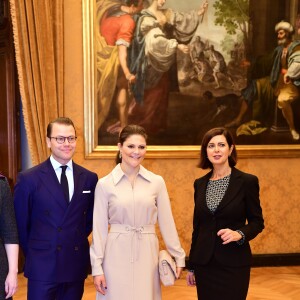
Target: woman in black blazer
(227, 215)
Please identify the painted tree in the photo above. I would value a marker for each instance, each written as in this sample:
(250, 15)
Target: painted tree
(233, 15)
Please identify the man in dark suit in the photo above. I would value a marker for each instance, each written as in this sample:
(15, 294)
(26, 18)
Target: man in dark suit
(54, 206)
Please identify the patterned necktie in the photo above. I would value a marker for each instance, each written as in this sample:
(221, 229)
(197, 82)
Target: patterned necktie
(64, 182)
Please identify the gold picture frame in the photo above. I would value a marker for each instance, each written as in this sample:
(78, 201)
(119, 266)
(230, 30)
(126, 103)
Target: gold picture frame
(95, 151)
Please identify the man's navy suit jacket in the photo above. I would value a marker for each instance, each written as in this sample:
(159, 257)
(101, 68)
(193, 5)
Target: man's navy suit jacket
(54, 234)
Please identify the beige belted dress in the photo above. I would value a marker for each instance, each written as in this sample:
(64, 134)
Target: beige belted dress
(125, 246)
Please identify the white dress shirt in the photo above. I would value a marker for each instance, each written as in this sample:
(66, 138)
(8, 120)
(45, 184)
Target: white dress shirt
(69, 173)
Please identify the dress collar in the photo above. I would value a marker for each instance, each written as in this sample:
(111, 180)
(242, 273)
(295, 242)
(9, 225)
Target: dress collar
(118, 174)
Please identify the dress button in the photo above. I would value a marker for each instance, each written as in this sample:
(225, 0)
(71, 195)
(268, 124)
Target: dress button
(58, 248)
(76, 248)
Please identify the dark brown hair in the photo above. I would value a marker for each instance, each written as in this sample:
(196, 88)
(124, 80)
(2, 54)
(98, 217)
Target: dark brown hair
(204, 161)
(62, 121)
(128, 131)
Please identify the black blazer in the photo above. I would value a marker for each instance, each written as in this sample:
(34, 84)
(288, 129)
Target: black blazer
(239, 210)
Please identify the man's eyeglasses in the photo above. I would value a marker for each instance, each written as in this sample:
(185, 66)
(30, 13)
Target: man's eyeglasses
(61, 139)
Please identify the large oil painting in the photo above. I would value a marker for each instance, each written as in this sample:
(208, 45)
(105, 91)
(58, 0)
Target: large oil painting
(179, 68)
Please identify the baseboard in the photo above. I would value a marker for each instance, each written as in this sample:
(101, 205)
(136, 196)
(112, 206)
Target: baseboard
(276, 260)
(273, 260)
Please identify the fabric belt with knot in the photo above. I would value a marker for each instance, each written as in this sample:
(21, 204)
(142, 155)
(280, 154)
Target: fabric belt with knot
(135, 233)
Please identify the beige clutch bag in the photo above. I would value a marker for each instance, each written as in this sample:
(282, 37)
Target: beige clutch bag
(167, 268)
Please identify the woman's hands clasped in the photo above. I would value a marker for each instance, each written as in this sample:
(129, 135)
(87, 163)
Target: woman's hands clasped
(227, 235)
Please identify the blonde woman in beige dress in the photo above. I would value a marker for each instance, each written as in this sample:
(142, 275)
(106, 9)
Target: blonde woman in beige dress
(128, 203)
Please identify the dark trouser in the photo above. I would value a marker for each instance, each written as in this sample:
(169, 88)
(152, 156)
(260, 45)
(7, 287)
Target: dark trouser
(38, 290)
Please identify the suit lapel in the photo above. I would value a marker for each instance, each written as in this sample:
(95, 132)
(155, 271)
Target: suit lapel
(234, 186)
(201, 192)
(49, 178)
(78, 183)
